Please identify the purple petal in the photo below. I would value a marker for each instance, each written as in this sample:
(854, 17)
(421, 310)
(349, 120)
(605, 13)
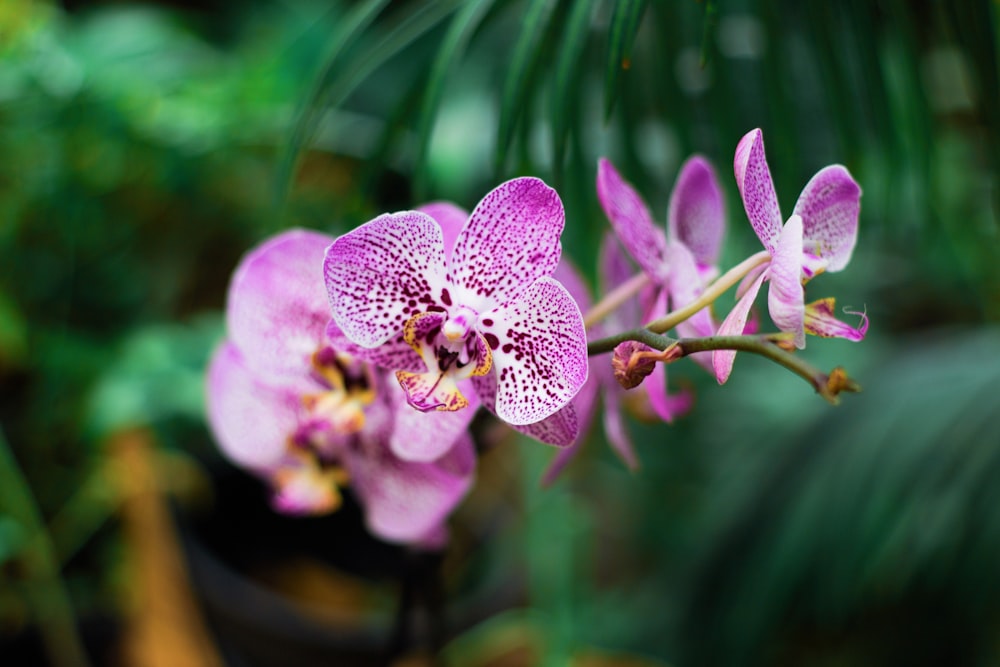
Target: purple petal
(685, 288)
(252, 419)
(829, 206)
(821, 321)
(559, 429)
(786, 298)
(277, 309)
(696, 214)
(511, 240)
(616, 430)
(426, 436)
(540, 352)
(394, 354)
(630, 218)
(615, 269)
(753, 177)
(664, 404)
(733, 325)
(382, 273)
(450, 217)
(569, 277)
(407, 501)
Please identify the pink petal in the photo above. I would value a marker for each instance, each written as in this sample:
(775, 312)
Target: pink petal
(630, 219)
(685, 288)
(383, 272)
(786, 298)
(407, 501)
(616, 430)
(277, 308)
(696, 214)
(427, 436)
(829, 206)
(753, 177)
(821, 321)
(511, 240)
(539, 352)
(733, 325)
(559, 429)
(664, 404)
(252, 419)
(394, 354)
(570, 278)
(615, 269)
(451, 218)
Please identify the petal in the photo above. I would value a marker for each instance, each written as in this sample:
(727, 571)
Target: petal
(786, 298)
(511, 240)
(616, 430)
(733, 325)
(425, 436)
(696, 214)
(394, 354)
(615, 269)
(664, 404)
(829, 206)
(407, 501)
(630, 218)
(820, 321)
(570, 278)
(559, 429)
(277, 309)
(540, 355)
(685, 288)
(451, 218)
(382, 273)
(753, 177)
(252, 419)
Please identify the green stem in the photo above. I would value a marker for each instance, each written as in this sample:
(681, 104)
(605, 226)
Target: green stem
(711, 293)
(48, 597)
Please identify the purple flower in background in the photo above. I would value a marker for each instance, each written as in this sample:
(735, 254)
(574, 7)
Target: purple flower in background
(286, 404)
(487, 311)
(679, 263)
(819, 236)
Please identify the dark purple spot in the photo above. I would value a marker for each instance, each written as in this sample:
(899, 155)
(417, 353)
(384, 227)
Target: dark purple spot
(507, 348)
(445, 297)
(487, 322)
(493, 341)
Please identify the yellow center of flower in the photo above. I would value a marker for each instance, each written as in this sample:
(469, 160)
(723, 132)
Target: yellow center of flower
(343, 404)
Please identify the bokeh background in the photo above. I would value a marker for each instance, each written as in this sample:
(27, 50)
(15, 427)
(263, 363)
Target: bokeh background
(145, 147)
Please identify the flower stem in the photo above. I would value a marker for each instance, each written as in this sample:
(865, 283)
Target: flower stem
(613, 299)
(711, 293)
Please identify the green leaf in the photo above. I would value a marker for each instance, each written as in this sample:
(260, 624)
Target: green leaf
(521, 73)
(450, 51)
(621, 37)
(565, 102)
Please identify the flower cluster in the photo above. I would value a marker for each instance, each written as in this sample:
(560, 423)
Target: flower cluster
(360, 360)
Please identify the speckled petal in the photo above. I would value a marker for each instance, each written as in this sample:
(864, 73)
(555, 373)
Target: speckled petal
(540, 355)
(786, 298)
(822, 321)
(382, 273)
(560, 429)
(407, 501)
(426, 436)
(252, 419)
(753, 177)
(630, 218)
(511, 239)
(829, 206)
(696, 214)
(733, 325)
(394, 354)
(451, 218)
(277, 309)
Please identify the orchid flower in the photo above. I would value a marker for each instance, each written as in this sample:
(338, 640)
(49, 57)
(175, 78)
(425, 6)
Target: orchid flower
(819, 236)
(679, 263)
(285, 404)
(487, 313)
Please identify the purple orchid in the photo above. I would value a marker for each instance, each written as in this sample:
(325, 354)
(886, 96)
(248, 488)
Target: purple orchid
(287, 405)
(819, 236)
(679, 263)
(483, 312)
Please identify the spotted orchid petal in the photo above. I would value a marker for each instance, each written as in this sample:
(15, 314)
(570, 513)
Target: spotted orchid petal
(696, 212)
(753, 177)
(277, 309)
(539, 352)
(406, 501)
(383, 272)
(394, 354)
(451, 218)
(829, 205)
(733, 325)
(820, 320)
(252, 419)
(631, 220)
(426, 436)
(786, 297)
(510, 240)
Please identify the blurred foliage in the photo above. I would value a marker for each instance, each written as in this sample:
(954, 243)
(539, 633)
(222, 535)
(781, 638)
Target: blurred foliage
(146, 148)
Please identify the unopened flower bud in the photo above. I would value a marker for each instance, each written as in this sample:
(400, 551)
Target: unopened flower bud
(631, 362)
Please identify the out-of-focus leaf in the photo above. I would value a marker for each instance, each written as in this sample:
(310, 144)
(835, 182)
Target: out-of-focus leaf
(451, 50)
(621, 36)
(521, 74)
(12, 538)
(565, 102)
